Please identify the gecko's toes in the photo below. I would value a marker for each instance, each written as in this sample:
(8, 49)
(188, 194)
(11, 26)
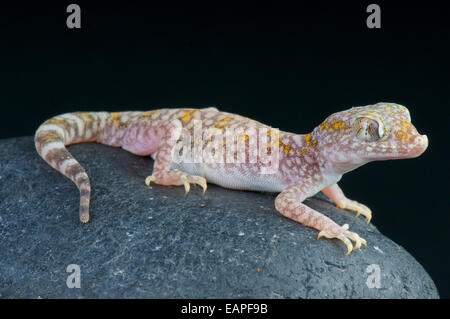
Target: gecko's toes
(175, 177)
(355, 206)
(355, 237)
(193, 179)
(363, 210)
(199, 180)
(343, 234)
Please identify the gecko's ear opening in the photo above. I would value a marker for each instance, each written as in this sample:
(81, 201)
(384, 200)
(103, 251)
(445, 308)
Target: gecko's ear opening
(369, 128)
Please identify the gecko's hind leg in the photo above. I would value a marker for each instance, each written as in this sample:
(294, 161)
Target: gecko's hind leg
(335, 193)
(162, 173)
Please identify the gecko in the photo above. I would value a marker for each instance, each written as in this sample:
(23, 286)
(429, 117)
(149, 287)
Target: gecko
(193, 146)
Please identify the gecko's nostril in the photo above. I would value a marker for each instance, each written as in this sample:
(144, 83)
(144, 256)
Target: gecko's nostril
(422, 140)
(421, 144)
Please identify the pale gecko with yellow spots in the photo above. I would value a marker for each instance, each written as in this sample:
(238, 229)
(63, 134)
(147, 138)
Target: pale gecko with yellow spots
(192, 146)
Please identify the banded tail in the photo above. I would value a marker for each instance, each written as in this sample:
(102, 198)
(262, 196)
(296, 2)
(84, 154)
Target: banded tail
(52, 137)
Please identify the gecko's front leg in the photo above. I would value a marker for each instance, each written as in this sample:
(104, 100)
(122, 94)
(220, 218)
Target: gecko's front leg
(162, 137)
(335, 193)
(289, 203)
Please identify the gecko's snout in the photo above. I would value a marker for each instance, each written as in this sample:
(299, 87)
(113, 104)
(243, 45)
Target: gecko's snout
(416, 146)
(421, 142)
(423, 139)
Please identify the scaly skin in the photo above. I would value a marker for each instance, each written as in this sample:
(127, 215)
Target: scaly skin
(191, 146)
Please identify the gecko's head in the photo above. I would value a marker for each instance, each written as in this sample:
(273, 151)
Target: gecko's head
(369, 133)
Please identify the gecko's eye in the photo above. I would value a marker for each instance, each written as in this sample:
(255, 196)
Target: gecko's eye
(367, 129)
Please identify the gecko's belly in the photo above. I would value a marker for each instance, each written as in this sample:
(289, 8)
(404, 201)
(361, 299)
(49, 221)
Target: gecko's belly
(238, 176)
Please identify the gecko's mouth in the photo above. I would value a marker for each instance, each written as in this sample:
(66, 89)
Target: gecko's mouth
(413, 150)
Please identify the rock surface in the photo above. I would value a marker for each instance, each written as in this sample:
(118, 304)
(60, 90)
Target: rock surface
(159, 243)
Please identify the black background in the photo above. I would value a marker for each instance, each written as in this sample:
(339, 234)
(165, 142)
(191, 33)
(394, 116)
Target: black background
(287, 67)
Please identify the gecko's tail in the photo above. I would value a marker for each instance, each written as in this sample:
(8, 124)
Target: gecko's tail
(51, 139)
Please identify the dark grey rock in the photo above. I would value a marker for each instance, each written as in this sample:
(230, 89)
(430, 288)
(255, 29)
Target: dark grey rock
(158, 243)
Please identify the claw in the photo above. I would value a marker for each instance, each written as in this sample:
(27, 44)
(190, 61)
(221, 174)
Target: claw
(199, 181)
(347, 243)
(344, 235)
(187, 187)
(203, 184)
(357, 241)
(349, 247)
(149, 179)
(181, 179)
(359, 208)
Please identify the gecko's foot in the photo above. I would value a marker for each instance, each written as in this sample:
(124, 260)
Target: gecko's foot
(176, 177)
(342, 233)
(355, 206)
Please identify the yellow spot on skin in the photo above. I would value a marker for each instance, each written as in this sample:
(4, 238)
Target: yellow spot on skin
(405, 125)
(338, 125)
(115, 117)
(402, 136)
(323, 126)
(220, 124)
(186, 116)
(334, 125)
(309, 141)
(51, 137)
(146, 115)
(54, 121)
(57, 121)
(86, 116)
(286, 148)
